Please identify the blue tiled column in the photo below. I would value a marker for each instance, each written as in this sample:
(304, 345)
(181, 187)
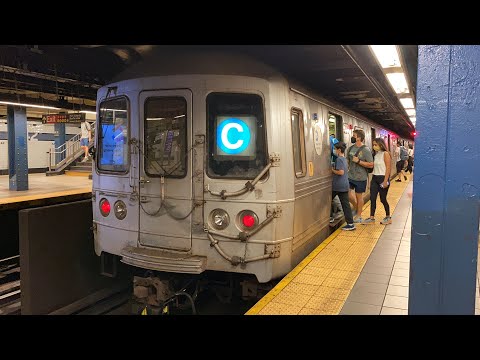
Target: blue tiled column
(59, 140)
(17, 148)
(446, 189)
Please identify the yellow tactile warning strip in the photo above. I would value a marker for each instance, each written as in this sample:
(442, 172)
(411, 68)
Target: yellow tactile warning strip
(15, 199)
(77, 173)
(320, 284)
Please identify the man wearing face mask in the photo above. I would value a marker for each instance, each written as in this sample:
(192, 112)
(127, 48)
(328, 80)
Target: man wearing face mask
(359, 159)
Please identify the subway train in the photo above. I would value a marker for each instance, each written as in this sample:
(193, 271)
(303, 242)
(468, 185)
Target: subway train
(215, 161)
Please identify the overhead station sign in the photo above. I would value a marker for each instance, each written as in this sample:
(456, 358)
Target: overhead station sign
(63, 118)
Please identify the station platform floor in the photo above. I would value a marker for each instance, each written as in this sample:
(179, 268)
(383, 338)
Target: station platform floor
(361, 272)
(44, 187)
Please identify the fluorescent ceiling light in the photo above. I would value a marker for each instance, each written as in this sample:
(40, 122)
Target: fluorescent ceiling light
(105, 109)
(410, 112)
(407, 103)
(386, 55)
(29, 105)
(88, 112)
(398, 82)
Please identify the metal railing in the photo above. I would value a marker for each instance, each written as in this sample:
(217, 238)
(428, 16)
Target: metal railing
(66, 153)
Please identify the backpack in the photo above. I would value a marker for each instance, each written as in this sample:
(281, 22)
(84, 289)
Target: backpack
(369, 170)
(403, 153)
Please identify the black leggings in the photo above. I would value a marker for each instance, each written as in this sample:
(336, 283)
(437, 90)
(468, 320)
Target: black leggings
(374, 190)
(347, 210)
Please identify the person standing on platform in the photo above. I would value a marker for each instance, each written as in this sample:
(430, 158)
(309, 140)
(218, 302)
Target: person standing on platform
(86, 138)
(336, 208)
(359, 158)
(340, 184)
(380, 181)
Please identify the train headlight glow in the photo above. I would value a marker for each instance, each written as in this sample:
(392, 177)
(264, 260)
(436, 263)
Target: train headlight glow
(247, 219)
(120, 209)
(219, 219)
(104, 207)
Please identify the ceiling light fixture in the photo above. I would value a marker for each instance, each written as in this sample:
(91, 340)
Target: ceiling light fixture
(29, 105)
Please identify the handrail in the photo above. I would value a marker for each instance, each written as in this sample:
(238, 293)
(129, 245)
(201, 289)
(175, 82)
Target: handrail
(66, 153)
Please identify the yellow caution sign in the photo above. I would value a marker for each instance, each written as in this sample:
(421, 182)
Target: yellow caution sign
(144, 311)
(310, 168)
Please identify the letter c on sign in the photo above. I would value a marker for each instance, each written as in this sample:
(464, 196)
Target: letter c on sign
(233, 136)
(225, 140)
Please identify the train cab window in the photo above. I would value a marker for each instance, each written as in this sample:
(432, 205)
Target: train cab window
(236, 135)
(113, 153)
(298, 141)
(165, 127)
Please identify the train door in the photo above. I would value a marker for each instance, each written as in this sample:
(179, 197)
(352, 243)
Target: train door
(335, 126)
(166, 169)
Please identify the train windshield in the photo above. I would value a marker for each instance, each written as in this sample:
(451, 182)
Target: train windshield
(166, 136)
(113, 136)
(236, 135)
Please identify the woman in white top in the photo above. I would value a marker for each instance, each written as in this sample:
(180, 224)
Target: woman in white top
(380, 181)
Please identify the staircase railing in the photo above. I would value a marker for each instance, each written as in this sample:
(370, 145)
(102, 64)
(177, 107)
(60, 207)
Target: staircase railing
(65, 154)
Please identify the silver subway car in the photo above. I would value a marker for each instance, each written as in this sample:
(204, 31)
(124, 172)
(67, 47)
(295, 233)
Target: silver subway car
(215, 162)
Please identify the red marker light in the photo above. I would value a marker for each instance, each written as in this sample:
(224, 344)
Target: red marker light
(414, 133)
(105, 207)
(248, 220)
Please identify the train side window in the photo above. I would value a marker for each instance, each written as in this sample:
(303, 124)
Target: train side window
(166, 136)
(237, 146)
(298, 141)
(113, 136)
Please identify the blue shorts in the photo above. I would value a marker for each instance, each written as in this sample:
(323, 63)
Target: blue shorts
(83, 142)
(359, 186)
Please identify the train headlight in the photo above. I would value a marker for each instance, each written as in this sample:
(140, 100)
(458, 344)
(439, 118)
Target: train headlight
(247, 219)
(120, 209)
(219, 219)
(104, 207)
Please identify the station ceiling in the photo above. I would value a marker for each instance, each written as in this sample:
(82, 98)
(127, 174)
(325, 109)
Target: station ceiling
(68, 76)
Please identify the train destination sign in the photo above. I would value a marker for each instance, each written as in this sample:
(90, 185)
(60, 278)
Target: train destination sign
(63, 118)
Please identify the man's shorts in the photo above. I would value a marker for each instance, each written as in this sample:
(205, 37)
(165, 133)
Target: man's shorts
(83, 142)
(400, 165)
(359, 186)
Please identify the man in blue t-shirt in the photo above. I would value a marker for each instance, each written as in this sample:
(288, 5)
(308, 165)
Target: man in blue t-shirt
(340, 184)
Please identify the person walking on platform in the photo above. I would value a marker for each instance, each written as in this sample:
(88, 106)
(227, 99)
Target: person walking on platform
(401, 153)
(380, 181)
(359, 158)
(410, 159)
(340, 184)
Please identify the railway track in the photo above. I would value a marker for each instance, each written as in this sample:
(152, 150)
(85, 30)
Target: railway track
(103, 302)
(10, 286)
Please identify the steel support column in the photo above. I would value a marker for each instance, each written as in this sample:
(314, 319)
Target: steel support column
(17, 148)
(446, 189)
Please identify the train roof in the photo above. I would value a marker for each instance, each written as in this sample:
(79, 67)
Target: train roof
(201, 61)
(180, 61)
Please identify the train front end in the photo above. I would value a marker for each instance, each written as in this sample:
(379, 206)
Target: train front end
(185, 178)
